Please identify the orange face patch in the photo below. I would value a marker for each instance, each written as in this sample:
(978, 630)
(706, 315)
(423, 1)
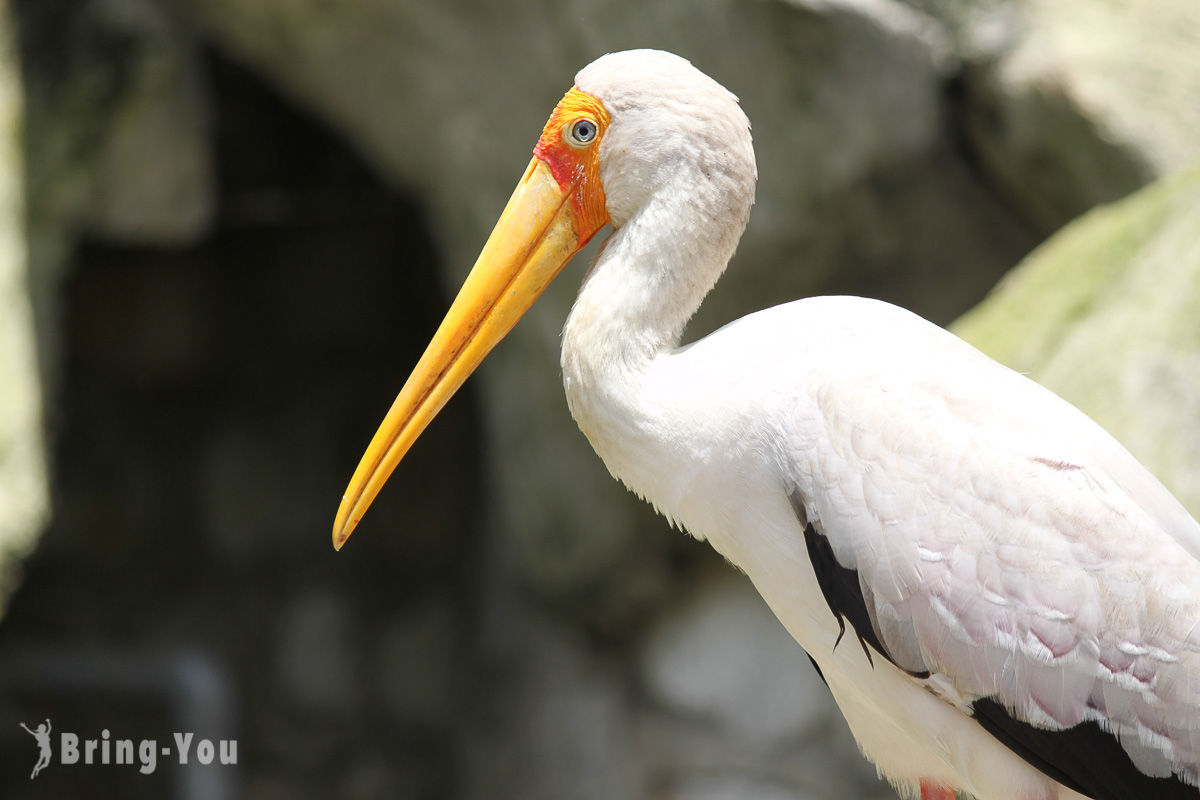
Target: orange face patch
(570, 146)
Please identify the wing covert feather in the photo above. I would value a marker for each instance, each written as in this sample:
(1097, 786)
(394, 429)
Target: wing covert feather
(1005, 541)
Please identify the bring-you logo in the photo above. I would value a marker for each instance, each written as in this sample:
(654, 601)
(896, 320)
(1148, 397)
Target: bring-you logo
(144, 754)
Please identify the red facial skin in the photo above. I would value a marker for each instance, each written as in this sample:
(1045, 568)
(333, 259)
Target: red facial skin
(576, 167)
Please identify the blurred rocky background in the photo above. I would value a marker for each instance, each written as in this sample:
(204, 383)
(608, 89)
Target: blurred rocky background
(227, 229)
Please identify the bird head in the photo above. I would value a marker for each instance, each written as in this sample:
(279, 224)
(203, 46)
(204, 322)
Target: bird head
(634, 123)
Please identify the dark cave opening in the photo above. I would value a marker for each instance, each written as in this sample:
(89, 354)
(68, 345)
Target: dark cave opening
(214, 402)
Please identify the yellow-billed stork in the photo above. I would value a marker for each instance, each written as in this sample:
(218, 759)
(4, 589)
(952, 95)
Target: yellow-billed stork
(1002, 600)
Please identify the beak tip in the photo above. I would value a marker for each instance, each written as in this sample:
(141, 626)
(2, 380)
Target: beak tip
(343, 526)
(339, 538)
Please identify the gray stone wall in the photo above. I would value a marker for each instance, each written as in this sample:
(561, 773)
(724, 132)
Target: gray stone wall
(24, 496)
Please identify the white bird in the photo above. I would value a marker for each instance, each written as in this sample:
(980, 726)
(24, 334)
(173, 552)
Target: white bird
(1002, 600)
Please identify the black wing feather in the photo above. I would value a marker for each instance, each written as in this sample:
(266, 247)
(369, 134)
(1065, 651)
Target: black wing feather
(1085, 758)
(842, 591)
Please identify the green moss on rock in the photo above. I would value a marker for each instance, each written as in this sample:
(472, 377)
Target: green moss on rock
(1107, 314)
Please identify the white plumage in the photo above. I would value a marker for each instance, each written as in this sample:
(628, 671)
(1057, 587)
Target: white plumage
(1011, 558)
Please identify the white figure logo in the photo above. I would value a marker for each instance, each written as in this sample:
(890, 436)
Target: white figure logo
(42, 734)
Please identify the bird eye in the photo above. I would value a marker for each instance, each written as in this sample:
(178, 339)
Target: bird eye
(582, 132)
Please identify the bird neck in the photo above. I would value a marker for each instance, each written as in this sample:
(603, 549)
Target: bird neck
(648, 279)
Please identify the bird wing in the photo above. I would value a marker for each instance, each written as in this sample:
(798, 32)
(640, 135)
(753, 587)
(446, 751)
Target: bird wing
(1007, 549)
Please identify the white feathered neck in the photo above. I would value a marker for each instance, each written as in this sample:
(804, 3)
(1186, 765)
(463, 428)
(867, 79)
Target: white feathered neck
(677, 165)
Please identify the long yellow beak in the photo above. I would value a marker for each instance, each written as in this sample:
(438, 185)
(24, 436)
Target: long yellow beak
(533, 240)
